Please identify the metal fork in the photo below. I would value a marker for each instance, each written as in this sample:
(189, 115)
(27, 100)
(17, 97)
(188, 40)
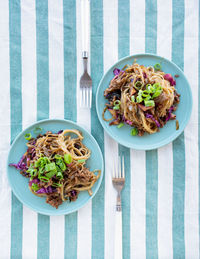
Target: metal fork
(85, 80)
(118, 181)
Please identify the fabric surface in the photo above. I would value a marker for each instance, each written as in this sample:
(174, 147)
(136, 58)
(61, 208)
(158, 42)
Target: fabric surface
(40, 61)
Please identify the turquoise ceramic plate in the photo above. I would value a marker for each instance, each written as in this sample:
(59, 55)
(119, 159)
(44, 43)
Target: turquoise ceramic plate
(19, 184)
(168, 133)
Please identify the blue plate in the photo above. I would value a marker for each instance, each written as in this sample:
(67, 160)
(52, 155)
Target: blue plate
(168, 133)
(19, 184)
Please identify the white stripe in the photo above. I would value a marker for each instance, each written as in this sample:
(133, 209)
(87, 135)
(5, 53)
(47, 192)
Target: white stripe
(29, 91)
(137, 26)
(110, 43)
(191, 39)
(165, 190)
(56, 59)
(5, 191)
(84, 236)
(56, 107)
(165, 155)
(138, 204)
(28, 45)
(164, 27)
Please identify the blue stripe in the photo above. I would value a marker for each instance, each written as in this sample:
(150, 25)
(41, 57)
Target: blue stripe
(199, 121)
(42, 106)
(151, 156)
(70, 82)
(70, 64)
(15, 116)
(178, 144)
(123, 50)
(97, 131)
(42, 44)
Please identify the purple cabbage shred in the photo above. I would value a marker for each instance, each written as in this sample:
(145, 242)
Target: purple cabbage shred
(153, 119)
(20, 165)
(169, 78)
(116, 71)
(60, 131)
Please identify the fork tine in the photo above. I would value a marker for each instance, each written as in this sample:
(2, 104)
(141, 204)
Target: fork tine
(81, 97)
(119, 167)
(87, 97)
(123, 170)
(90, 102)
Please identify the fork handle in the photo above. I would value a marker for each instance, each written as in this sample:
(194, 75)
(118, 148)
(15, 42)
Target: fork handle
(85, 11)
(118, 235)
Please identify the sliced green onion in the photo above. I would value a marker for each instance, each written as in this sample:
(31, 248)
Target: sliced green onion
(50, 167)
(51, 174)
(117, 102)
(149, 103)
(120, 125)
(139, 99)
(134, 132)
(59, 175)
(138, 85)
(133, 98)
(116, 107)
(35, 187)
(157, 66)
(37, 130)
(44, 179)
(140, 92)
(81, 161)
(147, 98)
(145, 93)
(56, 184)
(157, 86)
(67, 158)
(157, 93)
(28, 136)
(149, 88)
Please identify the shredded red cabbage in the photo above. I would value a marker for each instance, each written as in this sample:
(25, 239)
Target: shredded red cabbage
(170, 113)
(116, 71)
(169, 78)
(145, 75)
(73, 193)
(127, 121)
(20, 165)
(49, 189)
(153, 119)
(60, 131)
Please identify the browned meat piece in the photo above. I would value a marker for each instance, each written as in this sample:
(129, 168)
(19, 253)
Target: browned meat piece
(54, 200)
(144, 108)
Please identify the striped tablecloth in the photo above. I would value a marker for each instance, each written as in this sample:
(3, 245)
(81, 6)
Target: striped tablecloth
(40, 67)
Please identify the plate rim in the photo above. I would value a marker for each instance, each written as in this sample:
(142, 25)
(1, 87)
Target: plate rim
(132, 145)
(56, 213)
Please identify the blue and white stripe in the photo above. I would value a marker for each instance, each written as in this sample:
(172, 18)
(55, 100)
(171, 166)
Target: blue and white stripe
(40, 50)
